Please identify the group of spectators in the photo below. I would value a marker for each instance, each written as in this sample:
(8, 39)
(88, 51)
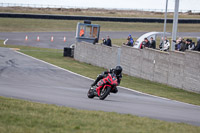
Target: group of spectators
(181, 44)
(148, 44)
(107, 41)
(188, 44)
(164, 45)
(145, 43)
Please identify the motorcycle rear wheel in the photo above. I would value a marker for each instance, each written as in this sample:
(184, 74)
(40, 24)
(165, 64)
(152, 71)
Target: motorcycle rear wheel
(104, 93)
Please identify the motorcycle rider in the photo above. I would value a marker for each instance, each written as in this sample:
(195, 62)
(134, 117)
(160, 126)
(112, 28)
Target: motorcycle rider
(117, 70)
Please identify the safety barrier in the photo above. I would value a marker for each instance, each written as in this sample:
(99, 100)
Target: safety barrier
(176, 69)
(112, 19)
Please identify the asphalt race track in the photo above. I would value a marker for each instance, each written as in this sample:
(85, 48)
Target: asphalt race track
(26, 78)
(18, 38)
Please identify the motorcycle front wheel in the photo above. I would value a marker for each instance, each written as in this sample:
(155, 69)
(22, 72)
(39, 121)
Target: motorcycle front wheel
(104, 93)
(90, 93)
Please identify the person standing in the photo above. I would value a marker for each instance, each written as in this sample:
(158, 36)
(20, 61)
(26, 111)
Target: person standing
(152, 43)
(146, 43)
(166, 44)
(180, 44)
(183, 45)
(189, 44)
(130, 39)
(82, 32)
(108, 41)
(95, 40)
(103, 41)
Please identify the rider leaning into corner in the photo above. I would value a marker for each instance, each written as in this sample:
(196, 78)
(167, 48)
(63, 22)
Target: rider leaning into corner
(117, 70)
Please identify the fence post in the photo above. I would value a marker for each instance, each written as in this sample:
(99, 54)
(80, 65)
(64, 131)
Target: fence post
(118, 56)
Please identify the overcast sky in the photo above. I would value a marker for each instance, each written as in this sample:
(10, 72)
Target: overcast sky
(130, 4)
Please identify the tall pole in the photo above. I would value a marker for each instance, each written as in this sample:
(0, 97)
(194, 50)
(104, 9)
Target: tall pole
(165, 22)
(175, 24)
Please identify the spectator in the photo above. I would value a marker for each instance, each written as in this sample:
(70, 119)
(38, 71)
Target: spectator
(183, 46)
(197, 48)
(108, 41)
(104, 41)
(180, 45)
(166, 44)
(82, 32)
(145, 43)
(152, 43)
(189, 44)
(95, 40)
(129, 41)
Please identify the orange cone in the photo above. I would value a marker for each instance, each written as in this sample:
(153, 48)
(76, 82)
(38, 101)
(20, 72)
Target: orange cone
(52, 38)
(65, 39)
(38, 38)
(26, 38)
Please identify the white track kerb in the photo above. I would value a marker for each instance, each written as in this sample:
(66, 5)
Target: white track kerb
(5, 41)
(93, 79)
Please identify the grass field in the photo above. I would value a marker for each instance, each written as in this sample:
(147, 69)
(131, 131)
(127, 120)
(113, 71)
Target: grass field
(56, 57)
(31, 25)
(27, 117)
(18, 116)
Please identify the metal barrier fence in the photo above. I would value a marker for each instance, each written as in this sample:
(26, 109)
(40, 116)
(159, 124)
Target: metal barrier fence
(111, 19)
(67, 7)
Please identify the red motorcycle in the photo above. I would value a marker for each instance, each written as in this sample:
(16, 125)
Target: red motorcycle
(103, 87)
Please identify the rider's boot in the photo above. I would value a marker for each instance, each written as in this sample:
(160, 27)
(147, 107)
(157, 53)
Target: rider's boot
(93, 84)
(99, 77)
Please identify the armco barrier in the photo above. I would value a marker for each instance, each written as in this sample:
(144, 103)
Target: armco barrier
(113, 19)
(176, 69)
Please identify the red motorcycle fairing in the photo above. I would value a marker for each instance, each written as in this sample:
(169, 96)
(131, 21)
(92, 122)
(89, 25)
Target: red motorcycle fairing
(109, 81)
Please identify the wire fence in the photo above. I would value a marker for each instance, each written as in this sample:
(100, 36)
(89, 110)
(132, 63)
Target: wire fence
(68, 7)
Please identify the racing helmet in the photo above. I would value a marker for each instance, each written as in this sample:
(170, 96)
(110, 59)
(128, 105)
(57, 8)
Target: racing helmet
(118, 70)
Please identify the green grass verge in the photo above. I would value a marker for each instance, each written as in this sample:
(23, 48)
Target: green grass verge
(27, 25)
(56, 57)
(19, 116)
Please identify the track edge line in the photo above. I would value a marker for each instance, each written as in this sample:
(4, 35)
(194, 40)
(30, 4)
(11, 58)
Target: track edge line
(93, 80)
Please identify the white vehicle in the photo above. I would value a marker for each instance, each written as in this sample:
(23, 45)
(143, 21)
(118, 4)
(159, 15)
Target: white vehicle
(148, 35)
